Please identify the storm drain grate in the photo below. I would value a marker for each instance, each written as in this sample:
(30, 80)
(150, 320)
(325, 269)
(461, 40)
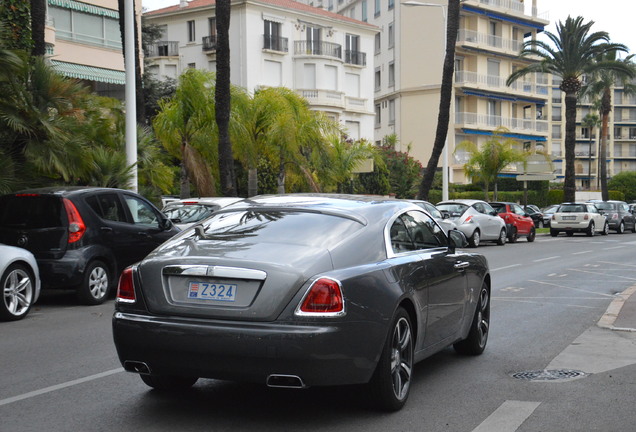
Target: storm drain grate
(549, 375)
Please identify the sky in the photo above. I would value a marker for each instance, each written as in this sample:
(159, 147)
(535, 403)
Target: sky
(613, 16)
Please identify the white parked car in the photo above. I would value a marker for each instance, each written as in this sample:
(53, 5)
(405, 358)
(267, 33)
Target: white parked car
(445, 223)
(186, 212)
(20, 281)
(578, 217)
(476, 219)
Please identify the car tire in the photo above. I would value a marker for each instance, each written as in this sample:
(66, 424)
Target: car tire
(18, 288)
(474, 239)
(569, 233)
(532, 235)
(96, 285)
(606, 229)
(590, 230)
(621, 228)
(477, 338)
(391, 381)
(502, 237)
(634, 227)
(514, 235)
(165, 382)
(554, 232)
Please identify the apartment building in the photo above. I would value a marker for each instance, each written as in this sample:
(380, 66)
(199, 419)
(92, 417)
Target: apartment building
(323, 56)
(84, 42)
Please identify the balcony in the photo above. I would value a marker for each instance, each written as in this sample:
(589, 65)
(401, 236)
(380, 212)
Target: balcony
(495, 82)
(355, 58)
(273, 43)
(512, 5)
(209, 43)
(483, 39)
(163, 49)
(326, 49)
(316, 97)
(491, 122)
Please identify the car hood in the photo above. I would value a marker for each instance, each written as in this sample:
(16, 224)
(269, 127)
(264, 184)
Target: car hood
(264, 277)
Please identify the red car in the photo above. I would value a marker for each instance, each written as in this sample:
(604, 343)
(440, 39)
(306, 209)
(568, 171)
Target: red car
(518, 223)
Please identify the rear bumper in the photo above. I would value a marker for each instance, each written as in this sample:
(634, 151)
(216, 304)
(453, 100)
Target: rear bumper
(327, 354)
(65, 272)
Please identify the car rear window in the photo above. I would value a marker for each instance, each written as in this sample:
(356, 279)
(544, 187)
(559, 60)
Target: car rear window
(453, 209)
(31, 211)
(499, 208)
(605, 206)
(572, 208)
(188, 213)
(289, 227)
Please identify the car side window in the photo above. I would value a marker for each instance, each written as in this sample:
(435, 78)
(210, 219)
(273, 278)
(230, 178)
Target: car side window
(107, 206)
(478, 207)
(400, 240)
(142, 213)
(487, 209)
(592, 209)
(518, 210)
(423, 230)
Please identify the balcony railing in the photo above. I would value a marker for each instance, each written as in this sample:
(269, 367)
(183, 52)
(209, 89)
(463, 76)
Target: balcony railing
(514, 5)
(280, 44)
(493, 121)
(497, 82)
(355, 58)
(163, 49)
(318, 48)
(323, 97)
(490, 40)
(209, 43)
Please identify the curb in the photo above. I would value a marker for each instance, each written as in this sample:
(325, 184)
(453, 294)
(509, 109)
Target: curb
(611, 314)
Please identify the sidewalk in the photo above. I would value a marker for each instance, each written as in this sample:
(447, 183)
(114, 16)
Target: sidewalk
(621, 313)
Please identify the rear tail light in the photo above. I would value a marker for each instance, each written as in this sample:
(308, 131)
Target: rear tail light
(469, 219)
(126, 287)
(324, 298)
(76, 226)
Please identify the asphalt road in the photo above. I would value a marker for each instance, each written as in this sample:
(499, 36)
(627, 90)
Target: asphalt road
(60, 371)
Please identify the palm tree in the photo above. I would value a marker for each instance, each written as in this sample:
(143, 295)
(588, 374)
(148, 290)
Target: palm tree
(485, 163)
(590, 121)
(223, 97)
(601, 84)
(38, 18)
(185, 126)
(570, 53)
(445, 97)
(345, 157)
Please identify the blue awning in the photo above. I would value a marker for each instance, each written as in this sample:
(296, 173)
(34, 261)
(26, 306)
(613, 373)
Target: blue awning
(507, 135)
(89, 73)
(504, 18)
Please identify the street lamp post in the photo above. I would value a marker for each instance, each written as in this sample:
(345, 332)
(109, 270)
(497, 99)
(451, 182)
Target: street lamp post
(445, 151)
(131, 107)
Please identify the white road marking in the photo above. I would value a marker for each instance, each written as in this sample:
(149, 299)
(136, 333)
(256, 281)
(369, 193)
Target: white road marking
(547, 259)
(506, 267)
(59, 386)
(570, 288)
(508, 417)
(603, 274)
(619, 264)
(515, 300)
(614, 247)
(582, 252)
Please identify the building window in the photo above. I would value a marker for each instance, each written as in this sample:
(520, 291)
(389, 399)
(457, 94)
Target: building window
(378, 79)
(313, 40)
(192, 65)
(378, 7)
(391, 35)
(89, 28)
(392, 112)
(271, 36)
(391, 74)
(378, 43)
(556, 113)
(191, 33)
(364, 11)
(391, 4)
(352, 50)
(330, 5)
(378, 115)
(556, 131)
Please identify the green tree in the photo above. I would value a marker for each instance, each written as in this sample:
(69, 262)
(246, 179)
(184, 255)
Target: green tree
(485, 163)
(404, 171)
(570, 53)
(625, 182)
(445, 97)
(345, 156)
(601, 85)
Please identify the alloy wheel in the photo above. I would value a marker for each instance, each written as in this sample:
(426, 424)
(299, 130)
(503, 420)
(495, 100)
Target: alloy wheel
(401, 358)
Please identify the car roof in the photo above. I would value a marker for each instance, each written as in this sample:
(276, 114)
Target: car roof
(65, 190)
(206, 200)
(469, 202)
(362, 208)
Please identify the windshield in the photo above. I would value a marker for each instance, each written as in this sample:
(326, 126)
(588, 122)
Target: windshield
(453, 209)
(189, 213)
(605, 206)
(499, 208)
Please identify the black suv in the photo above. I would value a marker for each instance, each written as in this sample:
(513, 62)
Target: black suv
(83, 237)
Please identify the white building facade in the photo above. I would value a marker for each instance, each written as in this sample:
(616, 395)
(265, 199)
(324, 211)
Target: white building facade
(323, 56)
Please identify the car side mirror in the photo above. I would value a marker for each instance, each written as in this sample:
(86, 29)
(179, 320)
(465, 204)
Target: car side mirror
(456, 239)
(165, 224)
(493, 213)
(445, 215)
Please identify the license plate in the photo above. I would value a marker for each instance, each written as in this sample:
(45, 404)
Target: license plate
(569, 217)
(212, 291)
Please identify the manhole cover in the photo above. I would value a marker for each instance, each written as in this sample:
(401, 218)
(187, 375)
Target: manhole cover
(549, 375)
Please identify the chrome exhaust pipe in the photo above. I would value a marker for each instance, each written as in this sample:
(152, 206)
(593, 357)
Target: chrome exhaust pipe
(137, 367)
(285, 381)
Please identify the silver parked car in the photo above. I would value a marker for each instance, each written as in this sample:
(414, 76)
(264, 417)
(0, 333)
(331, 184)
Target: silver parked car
(578, 217)
(445, 223)
(20, 282)
(476, 219)
(303, 290)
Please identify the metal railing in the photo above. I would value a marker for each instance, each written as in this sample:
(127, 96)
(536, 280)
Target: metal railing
(318, 48)
(493, 121)
(275, 43)
(497, 82)
(163, 49)
(209, 43)
(490, 40)
(355, 58)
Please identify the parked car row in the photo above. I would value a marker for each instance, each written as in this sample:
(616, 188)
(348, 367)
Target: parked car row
(592, 217)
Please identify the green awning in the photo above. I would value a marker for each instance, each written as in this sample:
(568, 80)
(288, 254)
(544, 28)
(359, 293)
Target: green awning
(84, 7)
(90, 73)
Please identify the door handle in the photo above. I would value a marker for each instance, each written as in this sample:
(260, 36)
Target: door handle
(462, 265)
(106, 229)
